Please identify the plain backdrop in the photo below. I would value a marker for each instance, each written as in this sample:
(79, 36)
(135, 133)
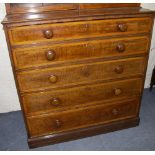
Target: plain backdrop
(8, 95)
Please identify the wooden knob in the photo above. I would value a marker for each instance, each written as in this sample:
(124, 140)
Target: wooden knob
(57, 123)
(48, 34)
(122, 27)
(50, 55)
(53, 79)
(117, 91)
(55, 101)
(115, 111)
(119, 69)
(120, 47)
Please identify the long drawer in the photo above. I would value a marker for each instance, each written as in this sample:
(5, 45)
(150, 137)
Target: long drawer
(57, 100)
(79, 74)
(76, 30)
(79, 118)
(77, 51)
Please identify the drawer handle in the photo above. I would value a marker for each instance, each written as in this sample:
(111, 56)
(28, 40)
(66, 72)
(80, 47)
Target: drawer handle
(57, 123)
(55, 101)
(53, 79)
(115, 111)
(120, 47)
(119, 69)
(50, 55)
(85, 27)
(48, 34)
(117, 91)
(122, 27)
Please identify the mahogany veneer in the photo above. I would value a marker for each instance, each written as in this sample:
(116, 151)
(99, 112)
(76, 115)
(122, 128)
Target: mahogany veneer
(79, 68)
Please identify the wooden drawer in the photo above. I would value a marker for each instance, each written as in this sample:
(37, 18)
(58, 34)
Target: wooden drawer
(79, 74)
(76, 30)
(57, 100)
(48, 55)
(79, 118)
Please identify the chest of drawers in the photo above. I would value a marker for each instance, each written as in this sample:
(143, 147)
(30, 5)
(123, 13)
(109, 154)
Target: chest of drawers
(79, 68)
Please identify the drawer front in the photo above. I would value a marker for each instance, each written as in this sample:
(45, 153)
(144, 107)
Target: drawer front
(76, 30)
(57, 100)
(79, 118)
(48, 55)
(79, 74)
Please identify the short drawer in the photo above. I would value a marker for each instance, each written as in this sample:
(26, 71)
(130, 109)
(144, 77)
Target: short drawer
(79, 74)
(80, 118)
(77, 30)
(48, 55)
(57, 100)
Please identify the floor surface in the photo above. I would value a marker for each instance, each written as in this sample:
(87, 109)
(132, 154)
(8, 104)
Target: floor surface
(13, 134)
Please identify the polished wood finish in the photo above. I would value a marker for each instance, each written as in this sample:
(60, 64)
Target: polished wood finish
(107, 5)
(83, 132)
(78, 30)
(38, 7)
(79, 68)
(40, 103)
(41, 7)
(77, 51)
(79, 74)
(50, 55)
(64, 121)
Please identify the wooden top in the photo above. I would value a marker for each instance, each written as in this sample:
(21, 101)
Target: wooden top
(12, 8)
(70, 12)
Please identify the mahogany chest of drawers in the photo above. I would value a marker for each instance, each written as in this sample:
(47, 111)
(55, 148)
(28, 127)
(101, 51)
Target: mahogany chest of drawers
(79, 68)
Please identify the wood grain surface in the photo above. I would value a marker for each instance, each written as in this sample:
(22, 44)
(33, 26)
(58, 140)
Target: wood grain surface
(76, 51)
(79, 68)
(76, 30)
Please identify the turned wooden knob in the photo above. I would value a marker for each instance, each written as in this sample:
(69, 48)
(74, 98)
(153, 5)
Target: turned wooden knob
(48, 34)
(119, 69)
(115, 111)
(53, 79)
(55, 101)
(57, 123)
(50, 55)
(120, 47)
(117, 91)
(122, 27)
